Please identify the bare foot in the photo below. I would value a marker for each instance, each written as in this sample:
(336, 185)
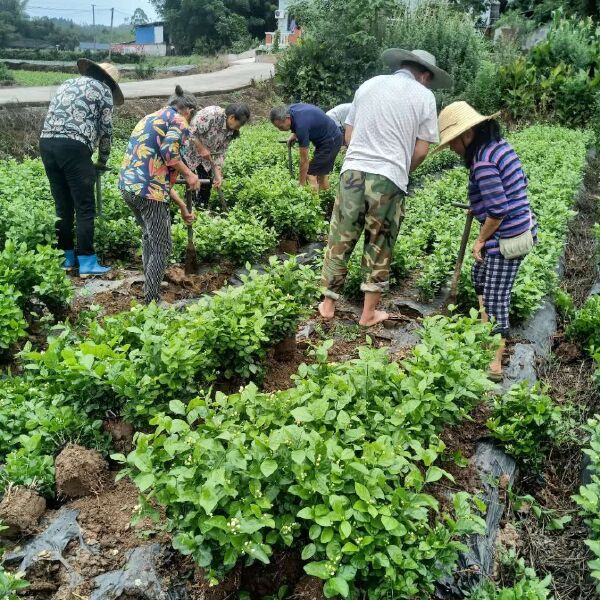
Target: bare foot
(377, 316)
(327, 309)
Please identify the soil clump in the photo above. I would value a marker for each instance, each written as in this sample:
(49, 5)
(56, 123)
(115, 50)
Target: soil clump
(80, 472)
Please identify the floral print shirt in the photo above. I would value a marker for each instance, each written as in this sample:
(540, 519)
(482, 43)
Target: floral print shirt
(209, 127)
(154, 146)
(81, 110)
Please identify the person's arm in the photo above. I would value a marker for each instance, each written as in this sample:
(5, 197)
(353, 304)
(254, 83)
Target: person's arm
(427, 133)
(349, 122)
(419, 154)
(170, 150)
(292, 139)
(187, 216)
(105, 133)
(348, 134)
(304, 162)
(487, 177)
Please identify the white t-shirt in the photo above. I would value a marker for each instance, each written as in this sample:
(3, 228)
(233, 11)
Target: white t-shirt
(388, 115)
(339, 113)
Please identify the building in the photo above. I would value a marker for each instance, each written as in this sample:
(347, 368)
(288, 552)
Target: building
(151, 39)
(287, 31)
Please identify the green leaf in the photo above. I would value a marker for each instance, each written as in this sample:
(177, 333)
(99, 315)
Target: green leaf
(389, 523)
(345, 530)
(144, 481)
(336, 587)
(177, 407)
(318, 569)
(362, 492)
(306, 513)
(308, 551)
(396, 554)
(268, 467)
(208, 498)
(434, 474)
(302, 414)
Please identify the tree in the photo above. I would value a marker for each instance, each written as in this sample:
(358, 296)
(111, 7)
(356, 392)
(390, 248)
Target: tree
(139, 17)
(215, 25)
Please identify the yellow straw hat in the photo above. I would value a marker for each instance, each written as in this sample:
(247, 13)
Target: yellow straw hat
(457, 118)
(109, 72)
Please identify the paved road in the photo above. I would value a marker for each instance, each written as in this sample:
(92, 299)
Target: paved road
(239, 75)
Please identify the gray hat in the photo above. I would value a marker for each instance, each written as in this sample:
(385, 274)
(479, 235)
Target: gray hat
(394, 57)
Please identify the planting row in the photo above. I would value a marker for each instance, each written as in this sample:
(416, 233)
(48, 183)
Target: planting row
(135, 363)
(269, 205)
(336, 467)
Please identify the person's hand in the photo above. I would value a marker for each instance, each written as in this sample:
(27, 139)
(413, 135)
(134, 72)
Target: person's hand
(100, 167)
(205, 153)
(187, 216)
(193, 182)
(217, 180)
(292, 139)
(477, 248)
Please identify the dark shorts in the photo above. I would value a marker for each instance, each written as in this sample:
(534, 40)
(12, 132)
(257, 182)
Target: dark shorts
(324, 157)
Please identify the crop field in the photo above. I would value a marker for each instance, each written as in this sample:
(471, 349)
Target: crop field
(231, 444)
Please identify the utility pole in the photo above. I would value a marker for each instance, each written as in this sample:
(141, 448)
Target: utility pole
(94, 24)
(112, 16)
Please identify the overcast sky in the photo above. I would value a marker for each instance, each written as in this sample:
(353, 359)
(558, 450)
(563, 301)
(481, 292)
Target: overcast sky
(80, 12)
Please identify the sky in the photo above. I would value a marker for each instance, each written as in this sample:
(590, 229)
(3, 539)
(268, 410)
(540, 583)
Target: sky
(81, 12)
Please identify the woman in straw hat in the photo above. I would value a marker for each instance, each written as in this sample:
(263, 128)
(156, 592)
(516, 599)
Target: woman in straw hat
(498, 200)
(79, 120)
(151, 164)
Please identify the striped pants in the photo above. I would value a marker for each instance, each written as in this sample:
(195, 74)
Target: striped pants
(155, 220)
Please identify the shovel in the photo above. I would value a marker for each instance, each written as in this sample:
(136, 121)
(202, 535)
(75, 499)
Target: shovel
(290, 162)
(451, 299)
(191, 256)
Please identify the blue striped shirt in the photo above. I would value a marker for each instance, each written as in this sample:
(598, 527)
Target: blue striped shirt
(498, 189)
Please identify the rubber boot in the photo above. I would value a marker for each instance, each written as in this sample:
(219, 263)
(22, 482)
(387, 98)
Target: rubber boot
(88, 266)
(70, 261)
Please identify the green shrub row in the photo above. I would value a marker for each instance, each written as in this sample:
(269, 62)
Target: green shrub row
(337, 466)
(136, 362)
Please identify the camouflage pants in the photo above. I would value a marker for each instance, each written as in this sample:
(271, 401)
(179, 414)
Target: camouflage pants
(364, 202)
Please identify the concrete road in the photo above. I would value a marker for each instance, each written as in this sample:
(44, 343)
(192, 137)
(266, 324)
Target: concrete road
(239, 75)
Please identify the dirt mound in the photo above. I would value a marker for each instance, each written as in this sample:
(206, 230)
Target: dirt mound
(309, 588)
(20, 511)
(80, 472)
(106, 518)
(121, 434)
(261, 580)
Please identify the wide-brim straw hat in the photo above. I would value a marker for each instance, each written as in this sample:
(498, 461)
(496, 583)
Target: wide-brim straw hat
(456, 119)
(109, 72)
(394, 57)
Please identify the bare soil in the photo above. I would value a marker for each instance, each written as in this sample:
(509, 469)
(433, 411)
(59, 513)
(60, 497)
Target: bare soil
(260, 580)
(80, 472)
(20, 511)
(309, 588)
(121, 433)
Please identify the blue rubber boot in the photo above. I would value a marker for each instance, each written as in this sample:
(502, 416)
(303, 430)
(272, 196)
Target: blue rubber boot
(88, 266)
(70, 260)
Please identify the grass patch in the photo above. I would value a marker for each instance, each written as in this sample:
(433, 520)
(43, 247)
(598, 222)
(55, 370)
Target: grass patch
(35, 78)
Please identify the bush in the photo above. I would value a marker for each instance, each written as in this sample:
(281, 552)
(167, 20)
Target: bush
(449, 34)
(345, 38)
(5, 75)
(588, 498)
(338, 52)
(527, 585)
(585, 326)
(12, 323)
(338, 465)
(527, 421)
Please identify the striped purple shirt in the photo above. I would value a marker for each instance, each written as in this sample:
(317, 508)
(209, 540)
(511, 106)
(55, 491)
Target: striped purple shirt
(498, 189)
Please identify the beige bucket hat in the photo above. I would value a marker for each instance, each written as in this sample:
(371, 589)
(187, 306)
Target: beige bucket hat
(394, 57)
(457, 118)
(109, 71)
